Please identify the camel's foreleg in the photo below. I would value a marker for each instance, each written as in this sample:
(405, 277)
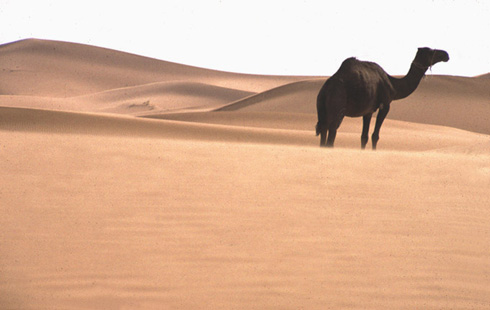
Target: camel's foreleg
(323, 137)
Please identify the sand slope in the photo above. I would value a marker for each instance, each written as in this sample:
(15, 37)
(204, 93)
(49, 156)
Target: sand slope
(227, 202)
(163, 97)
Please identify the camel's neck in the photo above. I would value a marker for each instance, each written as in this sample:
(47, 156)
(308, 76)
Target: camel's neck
(407, 85)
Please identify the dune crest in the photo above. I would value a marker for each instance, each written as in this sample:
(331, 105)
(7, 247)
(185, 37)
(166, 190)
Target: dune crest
(61, 69)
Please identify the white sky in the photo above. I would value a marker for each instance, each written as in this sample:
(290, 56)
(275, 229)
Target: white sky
(302, 37)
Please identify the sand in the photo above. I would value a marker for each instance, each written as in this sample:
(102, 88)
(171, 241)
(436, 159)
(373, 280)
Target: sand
(134, 183)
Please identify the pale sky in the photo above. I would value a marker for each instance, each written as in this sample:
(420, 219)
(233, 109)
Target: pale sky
(303, 37)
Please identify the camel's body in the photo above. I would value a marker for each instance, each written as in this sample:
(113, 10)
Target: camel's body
(359, 88)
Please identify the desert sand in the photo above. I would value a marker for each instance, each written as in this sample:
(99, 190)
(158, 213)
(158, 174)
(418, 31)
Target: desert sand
(135, 183)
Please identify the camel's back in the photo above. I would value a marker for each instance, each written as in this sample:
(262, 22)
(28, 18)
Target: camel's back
(353, 69)
(366, 85)
(363, 78)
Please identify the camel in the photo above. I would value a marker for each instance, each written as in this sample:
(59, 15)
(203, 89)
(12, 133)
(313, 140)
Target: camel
(359, 88)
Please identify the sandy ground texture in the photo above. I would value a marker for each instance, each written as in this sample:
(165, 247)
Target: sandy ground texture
(133, 183)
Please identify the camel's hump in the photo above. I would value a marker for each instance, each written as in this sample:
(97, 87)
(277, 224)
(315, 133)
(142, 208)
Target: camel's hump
(352, 64)
(353, 61)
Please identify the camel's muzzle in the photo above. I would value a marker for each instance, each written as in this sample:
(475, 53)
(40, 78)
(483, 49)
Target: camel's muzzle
(444, 56)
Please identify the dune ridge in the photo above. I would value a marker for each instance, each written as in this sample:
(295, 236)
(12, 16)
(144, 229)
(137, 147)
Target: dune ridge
(163, 97)
(46, 66)
(299, 97)
(130, 182)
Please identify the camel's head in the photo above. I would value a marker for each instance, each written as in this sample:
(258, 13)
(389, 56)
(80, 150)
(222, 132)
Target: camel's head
(427, 57)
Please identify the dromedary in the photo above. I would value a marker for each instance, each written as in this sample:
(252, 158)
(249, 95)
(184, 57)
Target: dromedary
(359, 88)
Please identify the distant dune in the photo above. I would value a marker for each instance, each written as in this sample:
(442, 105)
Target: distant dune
(130, 182)
(163, 97)
(484, 76)
(59, 69)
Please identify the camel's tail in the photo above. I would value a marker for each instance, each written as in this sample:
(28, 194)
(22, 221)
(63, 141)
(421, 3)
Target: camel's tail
(322, 112)
(329, 102)
(318, 128)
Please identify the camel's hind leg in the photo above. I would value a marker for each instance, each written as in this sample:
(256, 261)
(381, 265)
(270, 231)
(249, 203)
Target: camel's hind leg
(366, 120)
(332, 129)
(332, 133)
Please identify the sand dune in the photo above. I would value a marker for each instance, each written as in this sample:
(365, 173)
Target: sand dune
(484, 76)
(163, 97)
(55, 122)
(144, 99)
(269, 128)
(297, 97)
(449, 101)
(218, 197)
(59, 69)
